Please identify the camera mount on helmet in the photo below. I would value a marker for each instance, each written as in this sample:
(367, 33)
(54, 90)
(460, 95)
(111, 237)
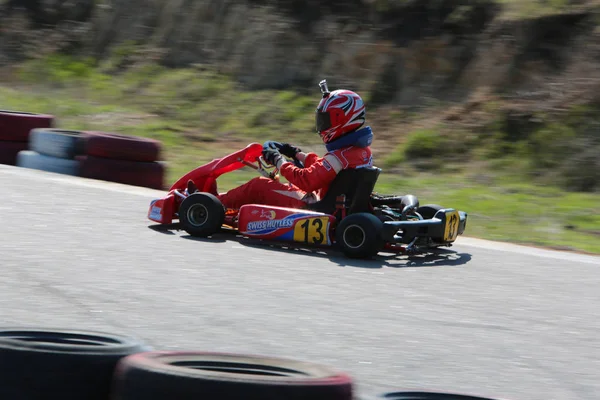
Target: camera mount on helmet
(324, 88)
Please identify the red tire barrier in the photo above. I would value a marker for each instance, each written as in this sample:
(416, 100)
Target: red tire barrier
(146, 174)
(16, 125)
(10, 150)
(122, 147)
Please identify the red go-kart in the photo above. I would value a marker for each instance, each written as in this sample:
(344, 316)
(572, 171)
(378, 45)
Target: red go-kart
(350, 216)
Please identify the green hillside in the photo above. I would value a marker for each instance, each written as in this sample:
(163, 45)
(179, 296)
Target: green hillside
(489, 106)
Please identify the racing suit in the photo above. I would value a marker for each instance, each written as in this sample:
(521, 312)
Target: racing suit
(306, 185)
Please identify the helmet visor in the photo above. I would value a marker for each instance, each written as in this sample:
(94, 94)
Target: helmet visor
(323, 121)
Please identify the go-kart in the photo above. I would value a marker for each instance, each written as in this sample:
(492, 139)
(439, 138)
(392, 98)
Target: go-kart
(350, 216)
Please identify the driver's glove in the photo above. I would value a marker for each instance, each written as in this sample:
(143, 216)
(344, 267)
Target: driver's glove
(272, 157)
(289, 150)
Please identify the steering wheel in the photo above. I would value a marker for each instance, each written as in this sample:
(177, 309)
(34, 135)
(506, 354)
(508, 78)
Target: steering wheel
(276, 145)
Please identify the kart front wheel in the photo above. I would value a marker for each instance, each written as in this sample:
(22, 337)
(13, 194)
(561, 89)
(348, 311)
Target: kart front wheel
(201, 214)
(359, 235)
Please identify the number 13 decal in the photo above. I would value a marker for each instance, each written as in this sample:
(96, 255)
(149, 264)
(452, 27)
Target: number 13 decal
(312, 230)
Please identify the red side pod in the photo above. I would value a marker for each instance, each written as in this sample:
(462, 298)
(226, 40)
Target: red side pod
(285, 224)
(161, 210)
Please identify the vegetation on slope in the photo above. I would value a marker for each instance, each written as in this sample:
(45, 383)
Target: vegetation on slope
(489, 105)
(502, 203)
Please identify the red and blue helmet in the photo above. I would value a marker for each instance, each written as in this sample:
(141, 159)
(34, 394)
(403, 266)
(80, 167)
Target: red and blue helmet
(338, 113)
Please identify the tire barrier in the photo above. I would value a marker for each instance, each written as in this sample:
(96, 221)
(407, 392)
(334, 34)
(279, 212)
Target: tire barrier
(40, 363)
(16, 125)
(60, 364)
(53, 150)
(14, 132)
(429, 395)
(95, 155)
(9, 151)
(129, 160)
(121, 147)
(136, 173)
(34, 160)
(57, 143)
(199, 375)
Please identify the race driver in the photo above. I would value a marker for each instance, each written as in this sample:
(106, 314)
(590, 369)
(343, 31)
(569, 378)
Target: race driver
(340, 117)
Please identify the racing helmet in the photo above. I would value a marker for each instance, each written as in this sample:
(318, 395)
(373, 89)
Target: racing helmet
(338, 113)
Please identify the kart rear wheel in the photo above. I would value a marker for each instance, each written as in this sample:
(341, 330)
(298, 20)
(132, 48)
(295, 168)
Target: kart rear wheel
(359, 235)
(201, 214)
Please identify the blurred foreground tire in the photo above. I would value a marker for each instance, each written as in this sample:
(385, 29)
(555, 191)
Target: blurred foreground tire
(122, 147)
(34, 160)
(57, 142)
(146, 174)
(16, 125)
(429, 395)
(9, 151)
(40, 364)
(198, 375)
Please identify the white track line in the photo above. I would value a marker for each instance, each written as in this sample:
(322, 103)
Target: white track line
(141, 191)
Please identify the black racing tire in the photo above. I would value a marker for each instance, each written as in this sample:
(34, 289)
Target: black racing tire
(429, 395)
(428, 211)
(359, 235)
(59, 143)
(60, 364)
(200, 375)
(201, 214)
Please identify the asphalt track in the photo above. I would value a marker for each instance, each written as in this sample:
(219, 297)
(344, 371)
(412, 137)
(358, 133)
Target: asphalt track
(483, 317)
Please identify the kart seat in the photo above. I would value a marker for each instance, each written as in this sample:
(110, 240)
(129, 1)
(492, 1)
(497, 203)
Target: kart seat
(356, 184)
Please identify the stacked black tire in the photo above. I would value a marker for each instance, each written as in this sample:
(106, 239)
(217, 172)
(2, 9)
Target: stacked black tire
(201, 375)
(428, 395)
(38, 364)
(14, 132)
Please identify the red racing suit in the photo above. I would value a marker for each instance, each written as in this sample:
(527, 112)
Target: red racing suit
(306, 185)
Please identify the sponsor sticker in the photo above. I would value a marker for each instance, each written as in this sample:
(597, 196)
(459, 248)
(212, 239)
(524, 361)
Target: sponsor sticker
(255, 226)
(268, 214)
(155, 213)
